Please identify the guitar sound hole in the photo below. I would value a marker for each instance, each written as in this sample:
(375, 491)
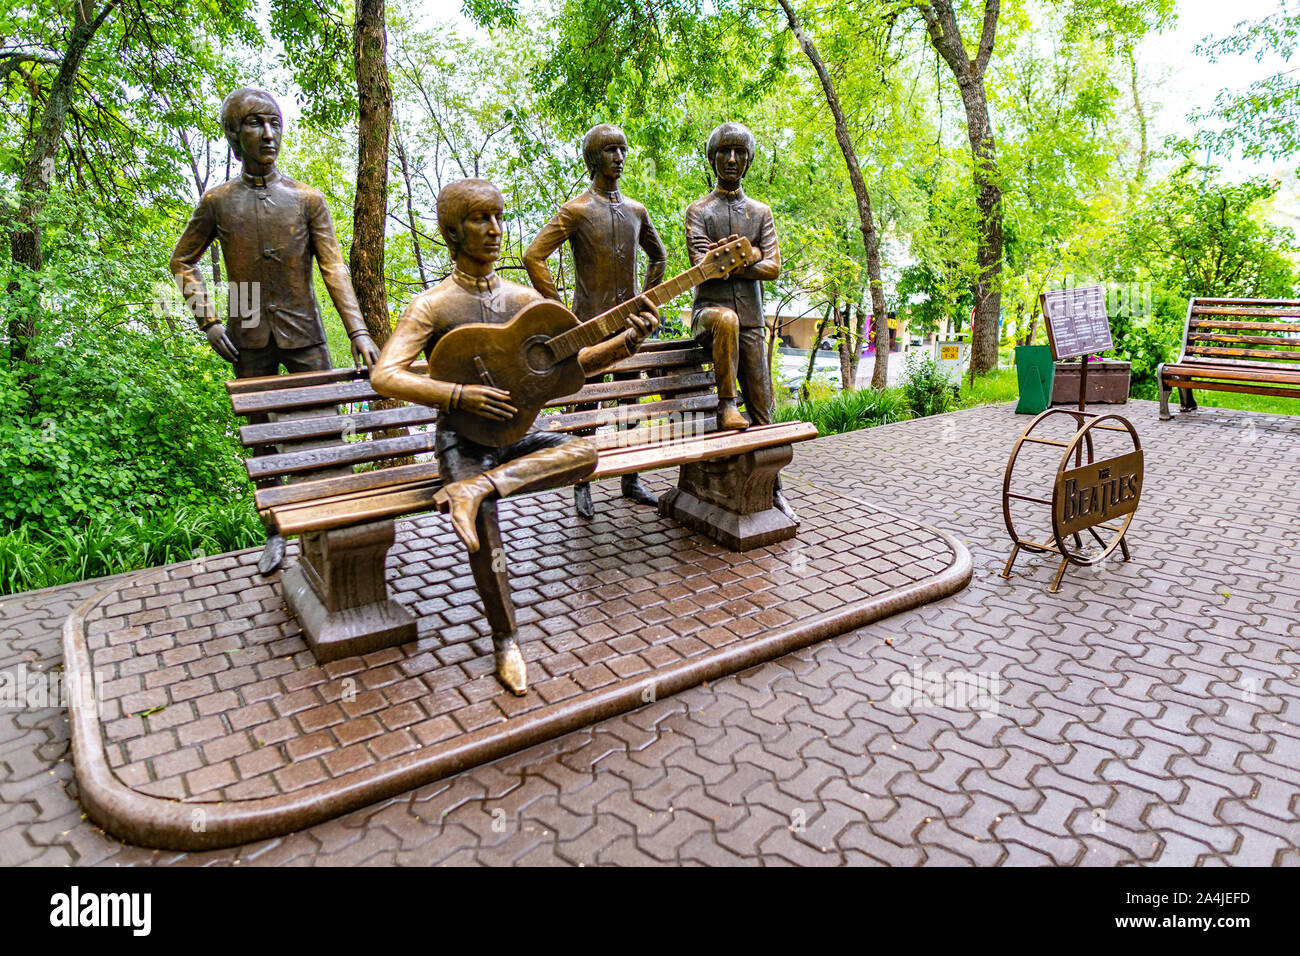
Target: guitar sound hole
(538, 355)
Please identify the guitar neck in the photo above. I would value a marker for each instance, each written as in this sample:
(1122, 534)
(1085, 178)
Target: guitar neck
(595, 331)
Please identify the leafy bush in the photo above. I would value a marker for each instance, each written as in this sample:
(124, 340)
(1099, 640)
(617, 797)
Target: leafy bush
(925, 388)
(118, 448)
(847, 411)
(95, 426)
(32, 557)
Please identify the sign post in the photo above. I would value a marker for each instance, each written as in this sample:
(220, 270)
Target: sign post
(1078, 326)
(1088, 496)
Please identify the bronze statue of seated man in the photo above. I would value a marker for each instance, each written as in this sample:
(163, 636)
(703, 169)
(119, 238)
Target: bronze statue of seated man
(470, 213)
(727, 317)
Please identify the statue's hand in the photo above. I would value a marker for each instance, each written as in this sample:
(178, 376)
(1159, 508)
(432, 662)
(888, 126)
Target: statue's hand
(642, 323)
(364, 350)
(486, 402)
(219, 339)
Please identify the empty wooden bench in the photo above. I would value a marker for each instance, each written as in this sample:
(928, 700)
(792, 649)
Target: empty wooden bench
(1235, 345)
(338, 488)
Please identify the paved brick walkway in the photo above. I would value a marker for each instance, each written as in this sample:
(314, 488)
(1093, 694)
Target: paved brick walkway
(1154, 721)
(210, 694)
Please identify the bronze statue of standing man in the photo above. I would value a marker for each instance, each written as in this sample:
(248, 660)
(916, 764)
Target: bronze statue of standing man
(270, 228)
(727, 318)
(603, 228)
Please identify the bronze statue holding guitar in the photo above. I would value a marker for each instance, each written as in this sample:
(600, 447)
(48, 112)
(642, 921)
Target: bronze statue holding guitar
(497, 353)
(533, 358)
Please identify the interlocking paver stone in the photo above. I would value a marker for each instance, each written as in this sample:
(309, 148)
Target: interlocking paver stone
(1128, 689)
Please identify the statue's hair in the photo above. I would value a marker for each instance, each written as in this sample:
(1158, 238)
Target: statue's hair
(595, 141)
(238, 105)
(460, 198)
(728, 133)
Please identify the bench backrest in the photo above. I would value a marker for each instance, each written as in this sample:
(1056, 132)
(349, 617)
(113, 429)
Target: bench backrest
(1251, 333)
(324, 425)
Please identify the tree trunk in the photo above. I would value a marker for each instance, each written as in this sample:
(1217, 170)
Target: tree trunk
(859, 341)
(870, 237)
(816, 345)
(34, 185)
(945, 37)
(880, 368)
(410, 208)
(844, 345)
(1141, 175)
(375, 95)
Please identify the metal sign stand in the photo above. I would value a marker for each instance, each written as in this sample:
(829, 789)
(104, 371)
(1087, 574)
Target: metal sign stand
(1087, 495)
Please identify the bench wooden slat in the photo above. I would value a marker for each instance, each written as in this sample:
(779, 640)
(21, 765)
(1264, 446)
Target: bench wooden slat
(279, 495)
(637, 388)
(1203, 302)
(352, 453)
(625, 461)
(620, 414)
(1244, 339)
(311, 489)
(275, 433)
(643, 361)
(1251, 353)
(1247, 388)
(1231, 373)
(321, 515)
(269, 383)
(307, 396)
(1247, 326)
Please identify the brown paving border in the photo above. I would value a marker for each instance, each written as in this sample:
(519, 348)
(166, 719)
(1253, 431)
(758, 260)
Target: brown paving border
(155, 821)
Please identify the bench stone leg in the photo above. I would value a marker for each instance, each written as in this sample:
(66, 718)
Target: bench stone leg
(1164, 393)
(730, 499)
(338, 592)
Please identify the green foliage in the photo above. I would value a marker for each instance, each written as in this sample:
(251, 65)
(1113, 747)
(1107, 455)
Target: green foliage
(120, 409)
(1261, 119)
(925, 388)
(32, 557)
(994, 388)
(101, 427)
(847, 411)
(1194, 235)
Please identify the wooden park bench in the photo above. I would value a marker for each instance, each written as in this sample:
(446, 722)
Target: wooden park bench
(1235, 345)
(339, 489)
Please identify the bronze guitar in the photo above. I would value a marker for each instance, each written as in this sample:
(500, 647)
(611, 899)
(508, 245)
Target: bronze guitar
(534, 356)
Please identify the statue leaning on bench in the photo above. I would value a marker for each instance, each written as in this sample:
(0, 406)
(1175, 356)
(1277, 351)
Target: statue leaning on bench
(470, 213)
(727, 317)
(270, 229)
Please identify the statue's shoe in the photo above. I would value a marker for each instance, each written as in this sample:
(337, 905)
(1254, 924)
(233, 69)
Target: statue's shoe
(633, 490)
(272, 555)
(511, 670)
(730, 419)
(582, 500)
(460, 500)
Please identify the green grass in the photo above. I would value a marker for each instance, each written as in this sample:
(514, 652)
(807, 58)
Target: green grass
(840, 412)
(847, 411)
(32, 558)
(1000, 386)
(1271, 404)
